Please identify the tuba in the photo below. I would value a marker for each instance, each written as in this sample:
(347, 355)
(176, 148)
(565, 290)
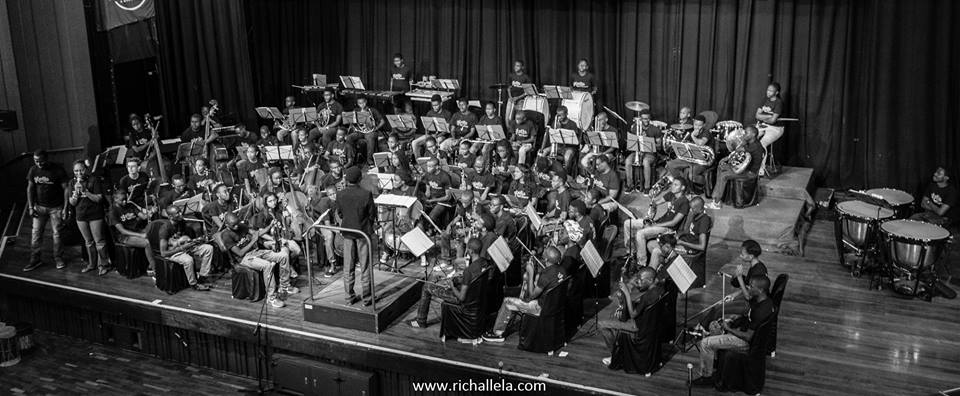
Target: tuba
(739, 159)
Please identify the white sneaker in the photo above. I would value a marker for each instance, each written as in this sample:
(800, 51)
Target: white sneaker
(275, 302)
(606, 361)
(712, 205)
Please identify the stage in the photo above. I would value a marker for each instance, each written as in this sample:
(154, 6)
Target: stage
(836, 336)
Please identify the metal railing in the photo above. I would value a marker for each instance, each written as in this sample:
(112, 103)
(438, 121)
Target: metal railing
(373, 291)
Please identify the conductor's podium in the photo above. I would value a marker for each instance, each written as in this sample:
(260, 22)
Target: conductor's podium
(394, 294)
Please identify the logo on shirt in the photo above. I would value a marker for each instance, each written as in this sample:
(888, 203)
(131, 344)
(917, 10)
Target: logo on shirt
(125, 217)
(478, 185)
(523, 132)
(433, 184)
(936, 198)
(42, 180)
(398, 76)
(521, 194)
(767, 109)
(579, 84)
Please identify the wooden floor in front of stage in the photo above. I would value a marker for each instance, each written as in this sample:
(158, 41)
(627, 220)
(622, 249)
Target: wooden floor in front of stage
(836, 336)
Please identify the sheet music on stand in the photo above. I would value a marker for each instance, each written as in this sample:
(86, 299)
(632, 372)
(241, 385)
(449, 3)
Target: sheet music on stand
(417, 241)
(381, 159)
(352, 82)
(385, 181)
(190, 205)
(681, 274)
(402, 121)
(591, 257)
(491, 133)
(447, 84)
(558, 92)
(114, 155)
(690, 152)
(564, 136)
(435, 124)
(269, 113)
(642, 144)
(535, 220)
(278, 153)
(604, 139)
(500, 252)
(302, 115)
(529, 89)
(394, 200)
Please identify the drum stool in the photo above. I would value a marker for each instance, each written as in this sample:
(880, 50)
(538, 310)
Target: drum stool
(741, 193)
(131, 261)
(170, 275)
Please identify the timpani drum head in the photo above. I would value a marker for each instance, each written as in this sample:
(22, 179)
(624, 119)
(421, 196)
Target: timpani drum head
(858, 221)
(916, 230)
(913, 243)
(893, 196)
(863, 210)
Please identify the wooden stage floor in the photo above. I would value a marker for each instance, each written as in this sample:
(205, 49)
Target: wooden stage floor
(836, 336)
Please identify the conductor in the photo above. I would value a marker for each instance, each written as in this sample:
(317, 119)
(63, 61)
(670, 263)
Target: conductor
(357, 213)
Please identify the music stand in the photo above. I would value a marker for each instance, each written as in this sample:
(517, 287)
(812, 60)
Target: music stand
(278, 153)
(190, 205)
(402, 121)
(603, 138)
(269, 113)
(564, 136)
(352, 82)
(381, 160)
(491, 133)
(349, 117)
(394, 201)
(435, 124)
(591, 257)
(690, 152)
(641, 144)
(500, 252)
(684, 277)
(558, 92)
(529, 89)
(303, 115)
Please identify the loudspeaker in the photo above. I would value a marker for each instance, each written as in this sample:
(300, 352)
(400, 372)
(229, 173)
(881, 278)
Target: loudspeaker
(8, 120)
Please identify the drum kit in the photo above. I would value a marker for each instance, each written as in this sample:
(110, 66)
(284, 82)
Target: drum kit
(872, 234)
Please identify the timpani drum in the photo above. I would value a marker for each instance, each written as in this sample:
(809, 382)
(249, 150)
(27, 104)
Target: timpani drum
(901, 201)
(858, 222)
(529, 103)
(913, 245)
(729, 132)
(580, 108)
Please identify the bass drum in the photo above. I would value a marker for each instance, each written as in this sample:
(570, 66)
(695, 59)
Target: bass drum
(580, 108)
(531, 104)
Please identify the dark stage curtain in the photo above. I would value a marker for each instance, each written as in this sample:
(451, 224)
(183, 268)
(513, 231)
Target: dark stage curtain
(873, 83)
(204, 55)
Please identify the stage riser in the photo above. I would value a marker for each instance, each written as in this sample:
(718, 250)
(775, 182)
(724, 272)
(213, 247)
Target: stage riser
(219, 344)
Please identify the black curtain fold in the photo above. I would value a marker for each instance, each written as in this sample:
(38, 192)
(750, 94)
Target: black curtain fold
(873, 83)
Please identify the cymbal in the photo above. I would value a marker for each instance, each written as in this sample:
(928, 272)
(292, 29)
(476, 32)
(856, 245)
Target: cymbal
(681, 127)
(499, 86)
(637, 106)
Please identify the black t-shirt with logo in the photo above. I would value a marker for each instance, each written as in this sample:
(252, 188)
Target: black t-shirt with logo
(87, 209)
(607, 181)
(128, 216)
(523, 131)
(772, 107)
(400, 78)
(944, 195)
(439, 182)
(135, 188)
(461, 124)
(693, 227)
(233, 238)
(516, 83)
(583, 83)
(48, 182)
(675, 204)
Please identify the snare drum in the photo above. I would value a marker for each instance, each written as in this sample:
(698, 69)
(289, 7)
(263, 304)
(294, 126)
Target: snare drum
(900, 200)
(913, 245)
(858, 222)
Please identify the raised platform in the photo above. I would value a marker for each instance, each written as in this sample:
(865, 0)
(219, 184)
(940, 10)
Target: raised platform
(395, 294)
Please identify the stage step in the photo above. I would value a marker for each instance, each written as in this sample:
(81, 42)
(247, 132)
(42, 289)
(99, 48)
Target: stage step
(792, 183)
(395, 294)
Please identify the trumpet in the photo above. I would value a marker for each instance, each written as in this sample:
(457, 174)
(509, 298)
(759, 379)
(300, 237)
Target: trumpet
(78, 188)
(556, 124)
(636, 156)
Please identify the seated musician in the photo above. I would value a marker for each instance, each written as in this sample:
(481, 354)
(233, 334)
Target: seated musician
(266, 137)
(524, 186)
(686, 116)
(373, 131)
(544, 168)
(242, 241)
(479, 179)
(274, 214)
(647, 160)
(341, 150)
(308, 159)
(583, 79)
(700, 136)
(129, 221)
(433, 151)
(436, 111)
(737, 330)
(334, 177)
(330, 114)
(326, 205)
(504, 224)
(596, 212)
(534, 285)
(939, 200)
(729, 169)
(403, 174)
(193, 131)
(692, 236)
(632, 298)
(489, 117)
(436, 198)
(177, 189)
(523, 135)
(277, 184)
(750, 266)
(518, 78)
(202, 178)
(289, 103)
(246, 167)
(138, 138)
(215, 211)
(464, 223)
(407, 134)
(246, 137)
(463, 158)
(607, 181)
(589, 151)
(455, 291)
(396, 150)
(567, 151)
(171, 239)
(501, 164)
(462, 126)
(558, 198)
(677, 209)
(135, 182)
(577, 211)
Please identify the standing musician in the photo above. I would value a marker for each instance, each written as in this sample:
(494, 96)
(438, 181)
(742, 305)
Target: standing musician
(647, 160)
(401, 76)
(677, 209)
(358, 212)
(490, 117)
(589, 151)
(455, 291)
(436, 199)
(241, 242)
(607, 181)
(743, 163)
(436, 111)
(215, 211)
(534, 286)
(523, 135)
(129, 220)
(700, 136)
(518, 78)
(135, 182)
(568, 151)
(341, 150)
(370, 131)
(583, 79)
(178, 189)
(86, 198)
(479, 179)
(939, 200)
(462, 125)
(768, 120)
(329, 113)
(193, 131)
(46, 200)
(632, 298)
(173, 240)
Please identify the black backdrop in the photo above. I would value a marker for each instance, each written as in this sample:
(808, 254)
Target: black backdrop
(874, 83)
